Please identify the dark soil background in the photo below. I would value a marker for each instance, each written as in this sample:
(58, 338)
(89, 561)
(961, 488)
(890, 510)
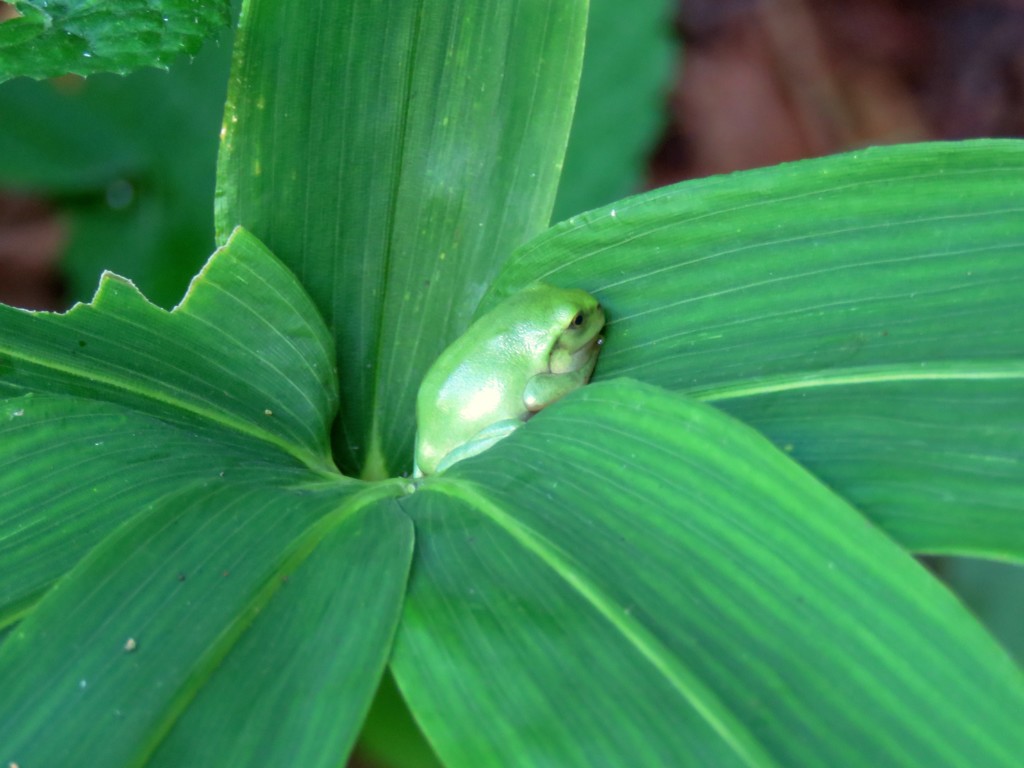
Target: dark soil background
(760, 82)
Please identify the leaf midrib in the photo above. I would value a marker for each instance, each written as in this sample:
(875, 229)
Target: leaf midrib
(960, 371)
(294, 555)
(312, 461)
(690, 688)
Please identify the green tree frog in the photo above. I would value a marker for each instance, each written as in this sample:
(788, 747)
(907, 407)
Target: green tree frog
(530, 350)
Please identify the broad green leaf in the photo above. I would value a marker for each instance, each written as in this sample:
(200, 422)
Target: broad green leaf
(393, 160)
(83, 37)
(118, 649)
(297, 686)
(114, 406)
(245, 352)
(98, 149)
(627, 75)
(73, 470)
(886, 256)
(635, 578)
(833, 282)
(937, 460)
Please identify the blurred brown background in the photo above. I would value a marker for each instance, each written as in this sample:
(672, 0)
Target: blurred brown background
(766, 81)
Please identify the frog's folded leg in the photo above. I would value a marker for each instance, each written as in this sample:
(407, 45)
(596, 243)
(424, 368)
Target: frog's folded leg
(480, 442)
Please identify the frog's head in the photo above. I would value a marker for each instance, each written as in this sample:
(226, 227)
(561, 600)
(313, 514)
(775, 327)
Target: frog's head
(579, 341)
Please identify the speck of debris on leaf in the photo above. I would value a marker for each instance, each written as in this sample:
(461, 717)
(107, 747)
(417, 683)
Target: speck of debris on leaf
(130, 645)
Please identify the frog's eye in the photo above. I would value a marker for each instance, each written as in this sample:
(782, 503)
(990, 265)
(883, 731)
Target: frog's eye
(578, 320)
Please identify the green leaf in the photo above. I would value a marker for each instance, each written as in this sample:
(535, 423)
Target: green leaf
(98, 150)
(395, 185)
(118, 405)
(245, 352)
(627, 74)
(635, 578)
(83, 37)
(72, 471)
(320, 646)
(117, 650)
(937, 460)
(818, 289)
